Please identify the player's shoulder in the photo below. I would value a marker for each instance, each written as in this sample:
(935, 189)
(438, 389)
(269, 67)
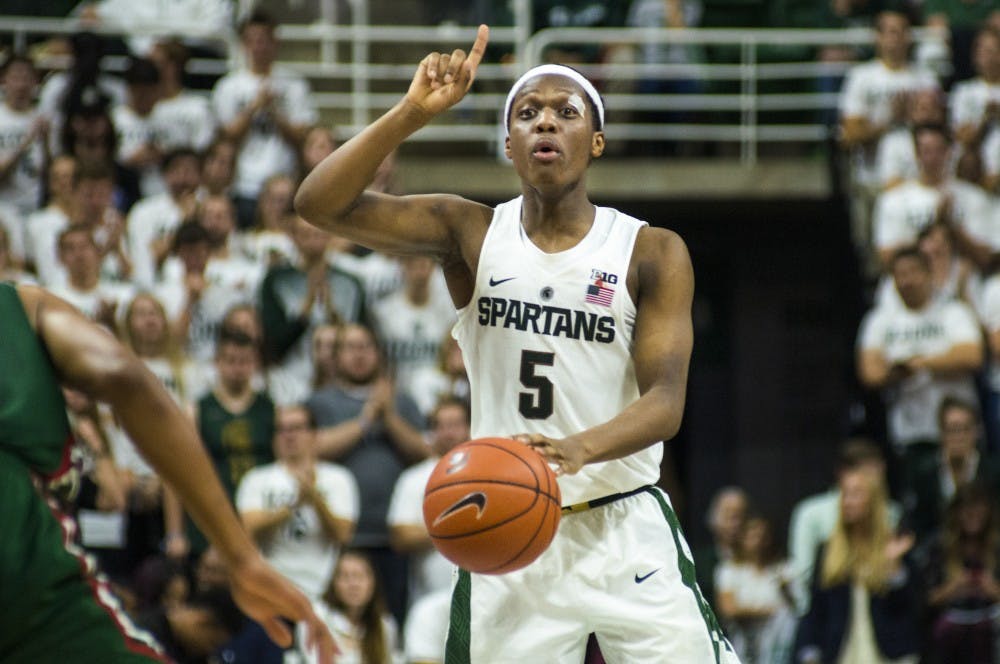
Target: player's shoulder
(660, 246)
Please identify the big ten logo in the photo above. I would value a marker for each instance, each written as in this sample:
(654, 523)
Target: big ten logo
(606, 277)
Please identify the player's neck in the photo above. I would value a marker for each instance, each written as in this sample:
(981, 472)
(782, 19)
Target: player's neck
(557, 223)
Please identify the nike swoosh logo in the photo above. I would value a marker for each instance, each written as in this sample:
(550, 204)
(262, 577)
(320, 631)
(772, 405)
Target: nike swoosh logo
(475, 499)
(497, 282)
(640, 579)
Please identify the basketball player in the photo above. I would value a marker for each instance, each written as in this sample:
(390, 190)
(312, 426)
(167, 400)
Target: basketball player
(56, 608)
(576, 323)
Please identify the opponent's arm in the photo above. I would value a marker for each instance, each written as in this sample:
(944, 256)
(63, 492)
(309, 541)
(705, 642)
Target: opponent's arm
(661, 353)
(91, 359)
(333, 195)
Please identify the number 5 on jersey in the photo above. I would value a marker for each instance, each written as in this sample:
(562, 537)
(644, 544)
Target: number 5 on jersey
(537, 404)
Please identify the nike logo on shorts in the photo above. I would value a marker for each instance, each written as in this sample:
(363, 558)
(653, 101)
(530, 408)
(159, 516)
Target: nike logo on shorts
(497, 282)
(640, 579)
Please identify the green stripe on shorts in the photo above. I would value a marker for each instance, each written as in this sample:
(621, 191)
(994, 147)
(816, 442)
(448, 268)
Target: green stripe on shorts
(456, 650)
(686, 567)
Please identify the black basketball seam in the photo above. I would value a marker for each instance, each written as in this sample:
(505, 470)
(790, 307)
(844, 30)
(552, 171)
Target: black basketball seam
(538, 491)
(538, 485)
(499, 523)
(531, 540)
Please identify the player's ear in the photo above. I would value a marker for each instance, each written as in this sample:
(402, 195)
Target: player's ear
(597, 144)
(506, 147)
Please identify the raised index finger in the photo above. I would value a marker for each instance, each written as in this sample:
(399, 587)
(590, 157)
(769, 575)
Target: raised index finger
(478, 48)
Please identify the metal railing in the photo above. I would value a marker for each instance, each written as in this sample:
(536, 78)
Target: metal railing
(358, 71)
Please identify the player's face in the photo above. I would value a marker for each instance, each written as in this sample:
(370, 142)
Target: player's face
(292, 434)
(354, 582)
(552, 137)
(450, 428)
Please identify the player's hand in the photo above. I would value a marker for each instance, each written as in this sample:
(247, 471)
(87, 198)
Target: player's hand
(442, 79)
(565, 454)
(267, 597)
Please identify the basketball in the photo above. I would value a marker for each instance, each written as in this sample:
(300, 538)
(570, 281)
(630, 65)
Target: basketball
(492, 505)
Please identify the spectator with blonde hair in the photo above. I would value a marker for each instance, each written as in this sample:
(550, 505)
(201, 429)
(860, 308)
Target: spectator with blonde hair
(862, 608)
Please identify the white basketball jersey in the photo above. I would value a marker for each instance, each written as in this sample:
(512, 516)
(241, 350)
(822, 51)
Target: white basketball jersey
(547, 341)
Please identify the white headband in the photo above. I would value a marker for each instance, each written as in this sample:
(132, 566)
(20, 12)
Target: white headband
(558, 70)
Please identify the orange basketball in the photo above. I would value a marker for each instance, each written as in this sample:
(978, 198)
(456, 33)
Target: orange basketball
(492, 505)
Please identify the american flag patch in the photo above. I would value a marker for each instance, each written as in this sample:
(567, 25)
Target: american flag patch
(599, 293)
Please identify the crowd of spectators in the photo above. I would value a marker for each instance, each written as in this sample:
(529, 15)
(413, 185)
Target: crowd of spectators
(317, 374)
(325, 384)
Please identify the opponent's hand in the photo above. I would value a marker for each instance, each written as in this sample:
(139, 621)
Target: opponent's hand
(566, 454)
(442, 79)
(267, 597)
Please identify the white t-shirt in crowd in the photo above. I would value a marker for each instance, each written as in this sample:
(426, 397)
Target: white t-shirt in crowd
(896, 157)
(902, 212)
(150, 219)
(23, 186)
(184, 121)
(968, 100)
(264, 151)
(134, 131)
(13, 223)
(300, 548)
(868, 92)
(227, 284)
(345, 635)
(426, 629)
(381, 275)
(411, 335)
(429, 570)
(89, 301)
(44, 228)
(901, 334)
(990, 315)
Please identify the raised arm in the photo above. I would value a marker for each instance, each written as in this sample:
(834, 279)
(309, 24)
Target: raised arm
(90, 359)
(664, 337)
(333, 195)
